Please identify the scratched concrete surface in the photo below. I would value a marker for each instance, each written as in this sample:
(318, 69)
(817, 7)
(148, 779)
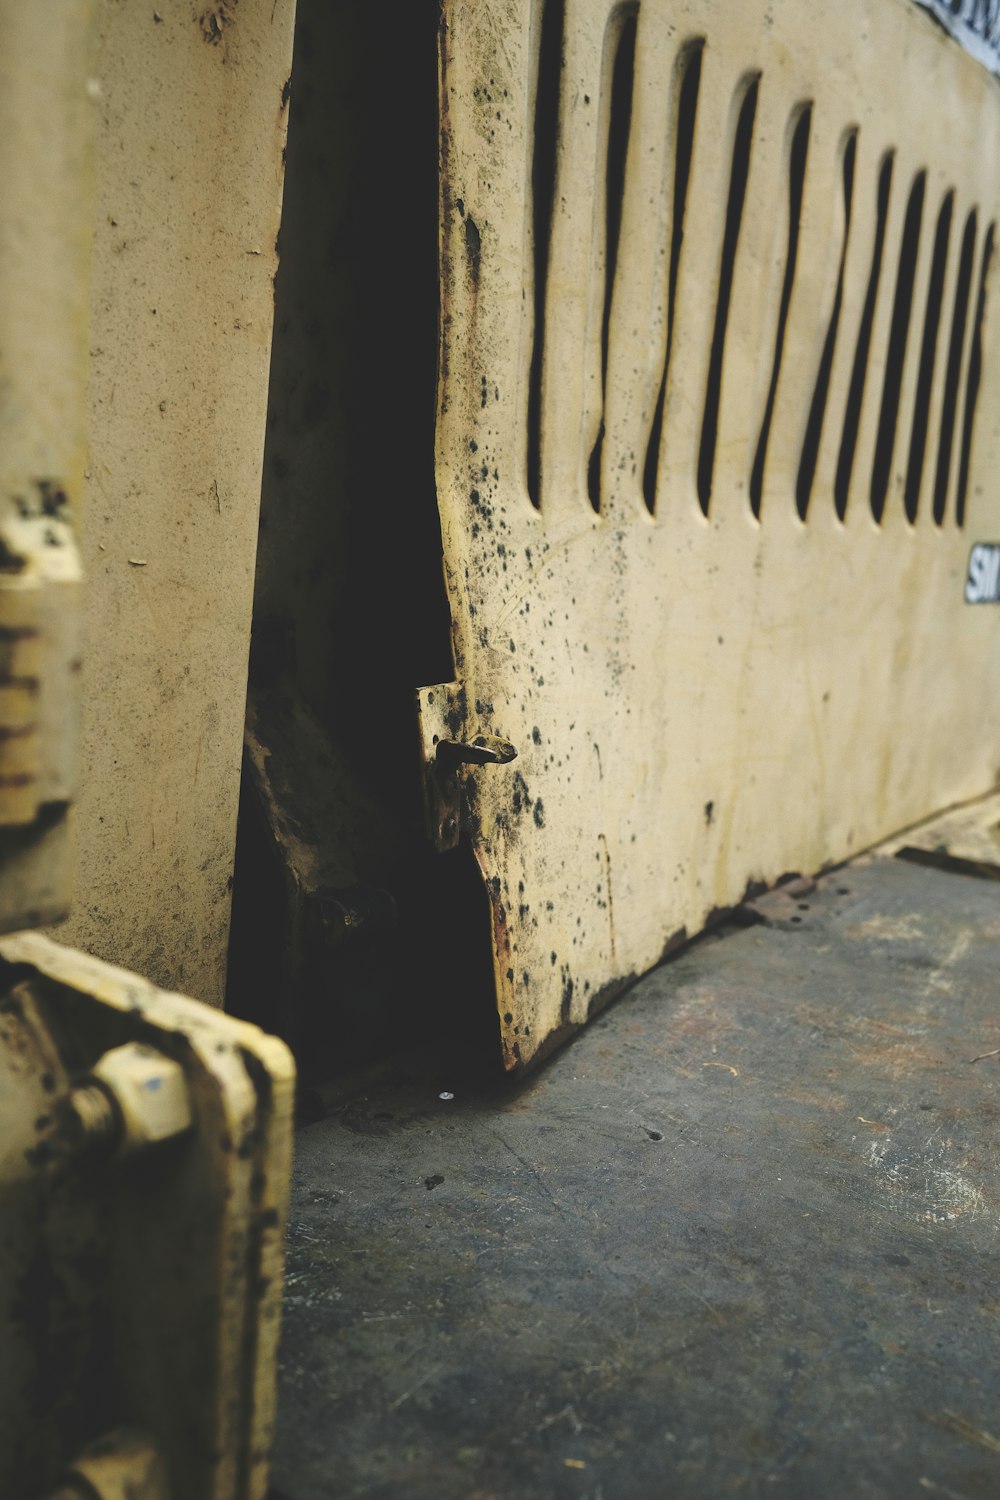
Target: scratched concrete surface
(740, 1238)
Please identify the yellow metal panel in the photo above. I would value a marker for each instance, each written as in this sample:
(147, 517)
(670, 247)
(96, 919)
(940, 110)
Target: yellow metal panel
(45, 221)
(729, 640)
(193, 108)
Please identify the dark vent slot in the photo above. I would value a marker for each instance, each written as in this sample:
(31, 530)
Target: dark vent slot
(618, 133)
(734, 218)
(687, 107)
(953, 372)
(932, 320)
(852, 414)
(898, 334)
(972, 380)
(796, 182)
(817, 411)
(543, 184)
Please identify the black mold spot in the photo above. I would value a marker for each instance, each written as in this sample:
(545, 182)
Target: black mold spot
(473, 249)
(521, 799)
(567, 998)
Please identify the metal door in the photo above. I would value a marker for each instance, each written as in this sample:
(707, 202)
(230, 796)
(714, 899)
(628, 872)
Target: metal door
(716, 424)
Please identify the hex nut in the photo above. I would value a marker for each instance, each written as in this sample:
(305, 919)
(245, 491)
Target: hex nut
(150, 1092)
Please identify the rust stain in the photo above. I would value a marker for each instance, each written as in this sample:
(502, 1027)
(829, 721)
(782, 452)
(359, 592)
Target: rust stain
(897, 1059)
(830, 1103)
(503, 958)
(473, 249)
(606, 861)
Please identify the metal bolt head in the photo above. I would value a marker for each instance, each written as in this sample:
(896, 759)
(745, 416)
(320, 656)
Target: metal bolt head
(150, 1092)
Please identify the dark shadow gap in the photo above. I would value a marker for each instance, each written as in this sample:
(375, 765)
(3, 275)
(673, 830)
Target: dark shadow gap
(899, 331)
(928, 354)
(855, 395)
(817, 411)
(953, 373)
(687, 107)
(619, 122)
(340, 532)
(543, 187)
(972, 380)
(734, 218)
(796, 184)
(952, 864)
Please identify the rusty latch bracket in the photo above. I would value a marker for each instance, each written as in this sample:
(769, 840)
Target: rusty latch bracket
(441, 715)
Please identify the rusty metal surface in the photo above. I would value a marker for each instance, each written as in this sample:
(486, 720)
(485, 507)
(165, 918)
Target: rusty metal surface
(731, 643)
(739, 1238)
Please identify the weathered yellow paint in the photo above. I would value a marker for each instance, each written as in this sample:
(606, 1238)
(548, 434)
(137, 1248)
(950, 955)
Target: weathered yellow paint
(700, 701)
(178, 1263)
(45, 220)
(193, 108)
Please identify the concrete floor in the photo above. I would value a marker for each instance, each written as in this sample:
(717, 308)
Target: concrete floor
(738, 1239)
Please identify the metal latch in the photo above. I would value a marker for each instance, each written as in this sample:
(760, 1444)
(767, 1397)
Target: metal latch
(443, 715)
(445, 785)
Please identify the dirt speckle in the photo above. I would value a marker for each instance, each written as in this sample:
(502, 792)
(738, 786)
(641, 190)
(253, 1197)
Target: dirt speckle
(215, 19)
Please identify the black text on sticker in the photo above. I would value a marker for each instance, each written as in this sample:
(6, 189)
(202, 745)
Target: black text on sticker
(983, 583)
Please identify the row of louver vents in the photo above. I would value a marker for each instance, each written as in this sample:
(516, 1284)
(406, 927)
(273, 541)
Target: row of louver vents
(923, 325)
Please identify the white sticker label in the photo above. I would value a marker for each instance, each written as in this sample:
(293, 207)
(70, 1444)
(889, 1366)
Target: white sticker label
(975, 24)
(982, 586)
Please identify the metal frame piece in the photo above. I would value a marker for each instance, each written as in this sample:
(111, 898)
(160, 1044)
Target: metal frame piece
(46, 221)
(144, 1179)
